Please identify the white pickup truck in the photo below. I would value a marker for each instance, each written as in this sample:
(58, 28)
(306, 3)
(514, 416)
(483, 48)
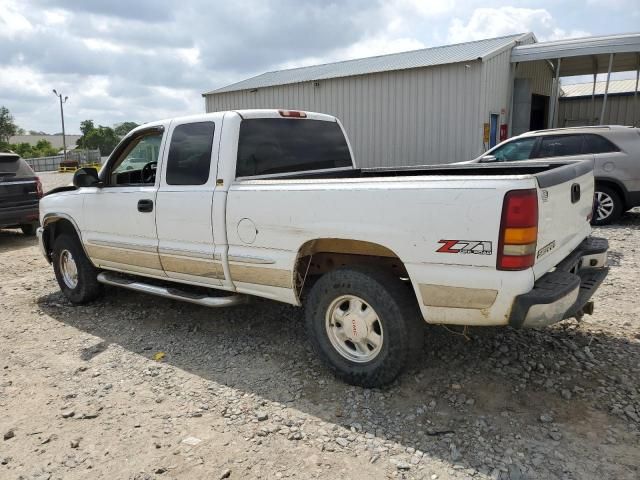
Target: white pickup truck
(270, 203)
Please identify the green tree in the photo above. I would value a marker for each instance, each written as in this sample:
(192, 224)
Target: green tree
(44, 149)
(123, 128)
(23, 149)
(8, 128)
(101, 138)
(86, 126)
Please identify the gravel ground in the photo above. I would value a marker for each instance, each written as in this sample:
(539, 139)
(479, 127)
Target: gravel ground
(141, 387)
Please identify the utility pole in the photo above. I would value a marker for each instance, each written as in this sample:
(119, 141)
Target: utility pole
(64, 140)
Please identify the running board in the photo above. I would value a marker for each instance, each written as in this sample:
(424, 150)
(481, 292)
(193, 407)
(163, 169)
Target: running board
(172, 293)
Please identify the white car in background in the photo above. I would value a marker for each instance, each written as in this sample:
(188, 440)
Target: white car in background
(615, 149)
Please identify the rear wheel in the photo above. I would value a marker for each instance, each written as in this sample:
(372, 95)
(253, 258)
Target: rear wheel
(29, 228)
(76, 275)
(607, 206)
(364, 324)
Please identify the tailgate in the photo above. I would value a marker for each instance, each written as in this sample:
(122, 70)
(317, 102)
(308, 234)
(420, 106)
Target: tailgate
(17, 192)
(565, 203)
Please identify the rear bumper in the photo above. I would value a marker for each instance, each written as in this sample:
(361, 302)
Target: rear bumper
(564, 292)
(10, 217)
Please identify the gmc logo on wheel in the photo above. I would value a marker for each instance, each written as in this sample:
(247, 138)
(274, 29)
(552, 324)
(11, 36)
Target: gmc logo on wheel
(474, 247)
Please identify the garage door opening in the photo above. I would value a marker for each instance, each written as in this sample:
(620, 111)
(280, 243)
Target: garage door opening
(539, 112)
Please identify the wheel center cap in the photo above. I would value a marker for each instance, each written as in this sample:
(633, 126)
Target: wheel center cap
(357, 328)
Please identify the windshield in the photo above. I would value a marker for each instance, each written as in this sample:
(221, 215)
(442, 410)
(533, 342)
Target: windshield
(516, 150)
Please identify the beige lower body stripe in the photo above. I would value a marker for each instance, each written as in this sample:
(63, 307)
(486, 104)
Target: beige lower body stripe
(189, 265)
(273, 277)
(198, 267)
(123, 256)
(457, 297)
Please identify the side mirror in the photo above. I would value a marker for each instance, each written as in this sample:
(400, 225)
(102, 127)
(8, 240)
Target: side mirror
(488, 159)
(86, 177)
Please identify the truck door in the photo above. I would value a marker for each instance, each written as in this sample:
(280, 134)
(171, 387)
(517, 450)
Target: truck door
(186, 242)
(118, 219)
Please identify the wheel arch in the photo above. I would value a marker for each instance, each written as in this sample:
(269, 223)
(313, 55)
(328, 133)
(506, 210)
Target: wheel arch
(616, 185)
(54, 225)
(321, 255)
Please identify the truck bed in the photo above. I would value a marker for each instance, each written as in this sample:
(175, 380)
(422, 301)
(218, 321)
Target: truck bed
(546, 173)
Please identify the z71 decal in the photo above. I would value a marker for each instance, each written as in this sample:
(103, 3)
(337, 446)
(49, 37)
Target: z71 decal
(475, 247)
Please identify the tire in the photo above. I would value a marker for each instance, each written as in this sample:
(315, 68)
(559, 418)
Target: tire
(29, 229)
(607, 206)
(86, 286)
(399, 327)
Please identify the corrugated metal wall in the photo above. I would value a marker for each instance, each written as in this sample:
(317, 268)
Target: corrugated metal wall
(406, 117)
(496, 91)
(540, 75)
(578, 111)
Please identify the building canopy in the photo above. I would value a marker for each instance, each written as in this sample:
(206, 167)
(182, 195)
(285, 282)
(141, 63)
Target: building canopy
(585, 56)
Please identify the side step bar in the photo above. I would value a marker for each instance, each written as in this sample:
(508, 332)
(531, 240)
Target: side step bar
(172, 293)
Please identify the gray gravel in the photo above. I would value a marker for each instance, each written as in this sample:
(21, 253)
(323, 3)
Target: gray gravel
(239, 394)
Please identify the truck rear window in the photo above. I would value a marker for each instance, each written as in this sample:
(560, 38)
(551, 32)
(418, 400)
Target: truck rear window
(273, 145)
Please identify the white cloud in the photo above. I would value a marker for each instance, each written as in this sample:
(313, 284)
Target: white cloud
(369, 47)
(12, 22)
(495, 22)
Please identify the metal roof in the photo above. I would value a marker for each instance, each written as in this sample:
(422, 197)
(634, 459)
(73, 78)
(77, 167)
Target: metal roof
(581, 56)
(585, 89)
(427, 57)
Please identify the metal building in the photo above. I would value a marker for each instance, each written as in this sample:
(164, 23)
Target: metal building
(578, 107)
(436, 105)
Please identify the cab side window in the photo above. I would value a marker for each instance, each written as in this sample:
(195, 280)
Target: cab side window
(189, 158)
(137, 163)
(598, 144)
(559, 146)
(516, 150)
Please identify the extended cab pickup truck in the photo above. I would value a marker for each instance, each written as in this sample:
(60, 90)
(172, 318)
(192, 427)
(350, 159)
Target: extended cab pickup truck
(270, 203)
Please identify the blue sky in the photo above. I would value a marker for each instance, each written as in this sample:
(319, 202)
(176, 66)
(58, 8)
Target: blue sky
(142, 60)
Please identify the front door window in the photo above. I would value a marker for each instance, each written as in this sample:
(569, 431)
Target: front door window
(137, 164)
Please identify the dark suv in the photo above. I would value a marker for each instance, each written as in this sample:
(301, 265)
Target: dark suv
(20, 193)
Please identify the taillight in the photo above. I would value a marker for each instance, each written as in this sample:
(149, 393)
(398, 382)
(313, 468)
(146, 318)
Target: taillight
(518, 230)
(292, 113)
(39, 191)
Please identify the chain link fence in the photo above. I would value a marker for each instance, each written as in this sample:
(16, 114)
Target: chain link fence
(47, 164)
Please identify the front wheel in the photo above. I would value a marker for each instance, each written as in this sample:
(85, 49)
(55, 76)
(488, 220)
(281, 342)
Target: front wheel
(364, 324)
(76, 275)
(607, 206)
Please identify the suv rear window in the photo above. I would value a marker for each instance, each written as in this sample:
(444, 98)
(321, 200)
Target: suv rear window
(14, 166)
(273, 145)
(598, 144)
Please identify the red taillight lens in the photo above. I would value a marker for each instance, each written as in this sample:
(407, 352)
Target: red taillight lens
(518, 230)
(39, 191)
(292, 113)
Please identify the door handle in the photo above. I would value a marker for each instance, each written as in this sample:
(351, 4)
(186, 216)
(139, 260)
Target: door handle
(575, 193)
(145, 205)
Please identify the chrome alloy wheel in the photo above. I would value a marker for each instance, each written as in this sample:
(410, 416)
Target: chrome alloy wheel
(68, 269)
(354, 329)
(604, 206)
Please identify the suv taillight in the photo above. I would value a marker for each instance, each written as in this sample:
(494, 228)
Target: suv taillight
(518, 230)
(39, 191)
